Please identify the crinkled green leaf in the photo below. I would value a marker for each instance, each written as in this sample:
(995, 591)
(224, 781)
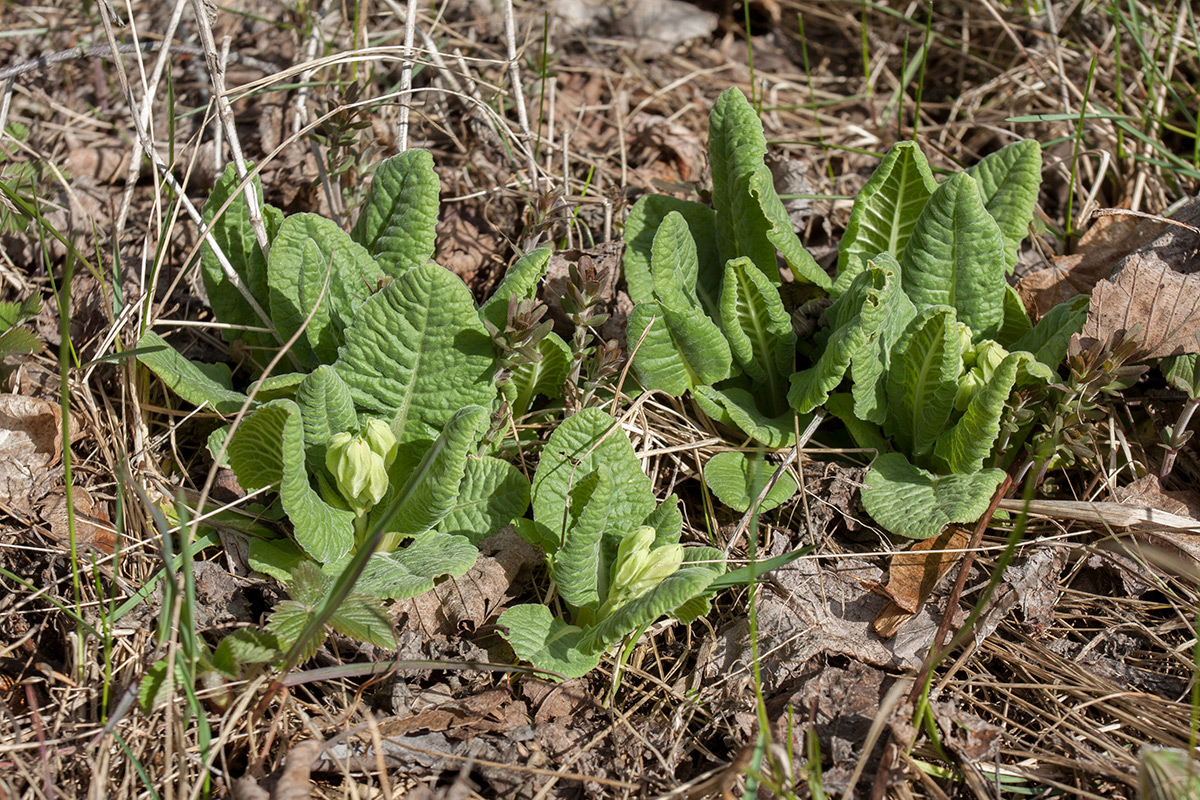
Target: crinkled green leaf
(199, 384)
(909, 501)
(492, 494)
(308, 584)
(158, 684)
(693, 609)
(1182, 372)
(885, 211)
(398, 221)
(288, 621)
(538, 535)
(642, 225)
(1048, 339)
(316, 268)
(700, 567)
(326, 407)
(674, 264)
(1008, 181)
(922, 380)
(737, 479)
(579, 568)
(267, 448)
(955, 257)
(278, 387)
(682, 348)
(1016, 319)
(13, 314)
(275, 557)
(667, 521)
(520, 281)
(964, 447)
(234, 235)
(574, 451)
(426, 493)
(414, 568)
(737, 407)
(547, 642)
(751, 220)
(545, 376)
(760, 332)
(866, 435)
(364, 619)
(886, 312)
(417, 350)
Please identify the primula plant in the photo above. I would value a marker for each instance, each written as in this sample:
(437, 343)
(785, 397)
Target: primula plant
(923, 325)
(708, 317)
(612, 551)
(385, 423)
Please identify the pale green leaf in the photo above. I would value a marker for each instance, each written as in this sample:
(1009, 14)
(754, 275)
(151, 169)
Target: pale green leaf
(234, 235)
(429, 489)
(866, 435)
(246, 646)
(520, 281)
(398, 221)
(413, 569)
(964, 447)
(200, 385)
(885, 211)
(909, 501)
(364, 619)
(737, 407)
(693, 609)
(1008, 181)
(737, 479)
(492, 494)
(418, 351)
(545, 375)
(1016, 319)
(579, 568)
(574, 451)
(13, 314)
(922, 380)
(642, 225)
(674, 264)
(326, 408)
(955, 257)
(700, 567)
(667, 521)
(308, 584)
(760, 332)
(268, 448)
(275, 557)
(751, 220)
(547, 642)
(1048, 339)
(847, 337)
(1183, 372)
(316, 268)
(680, 350)
(886, 312)
(278, 387)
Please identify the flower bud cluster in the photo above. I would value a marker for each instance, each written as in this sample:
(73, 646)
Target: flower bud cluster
(979, 362)
(639, 567)
(359, 464)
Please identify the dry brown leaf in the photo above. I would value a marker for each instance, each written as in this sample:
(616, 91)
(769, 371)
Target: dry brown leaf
(293, 783)
(465, 241)
(30, 448)
(465, 603)
(914, 575)
(1110, 239)
(93, 528)
(659, 25)
(1153, 294)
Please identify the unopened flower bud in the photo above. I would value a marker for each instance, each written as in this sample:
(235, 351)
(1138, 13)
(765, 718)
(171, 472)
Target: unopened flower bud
(360, 472)
(381, 440)
(988, 355)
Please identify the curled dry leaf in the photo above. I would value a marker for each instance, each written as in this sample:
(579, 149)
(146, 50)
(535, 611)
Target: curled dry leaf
(913, 576)
(30, 449)
(93, 528)
(1153, 294)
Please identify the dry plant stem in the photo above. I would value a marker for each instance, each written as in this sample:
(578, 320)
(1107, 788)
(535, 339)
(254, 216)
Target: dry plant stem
(1177, 436)
(216, 71)
(744, 524)
(937, 649)
(107, 50)
(514, 76)
(406, 70)
(169, 179)
(148, 98)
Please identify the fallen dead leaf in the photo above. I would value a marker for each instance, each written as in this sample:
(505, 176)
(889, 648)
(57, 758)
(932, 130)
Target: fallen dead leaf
(1153, 293)
(461, 604)
(465, 241)
(293, 783)
(1106, 243)
(30, 449)
(93, 528)
(659, 25)
(914, 574)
